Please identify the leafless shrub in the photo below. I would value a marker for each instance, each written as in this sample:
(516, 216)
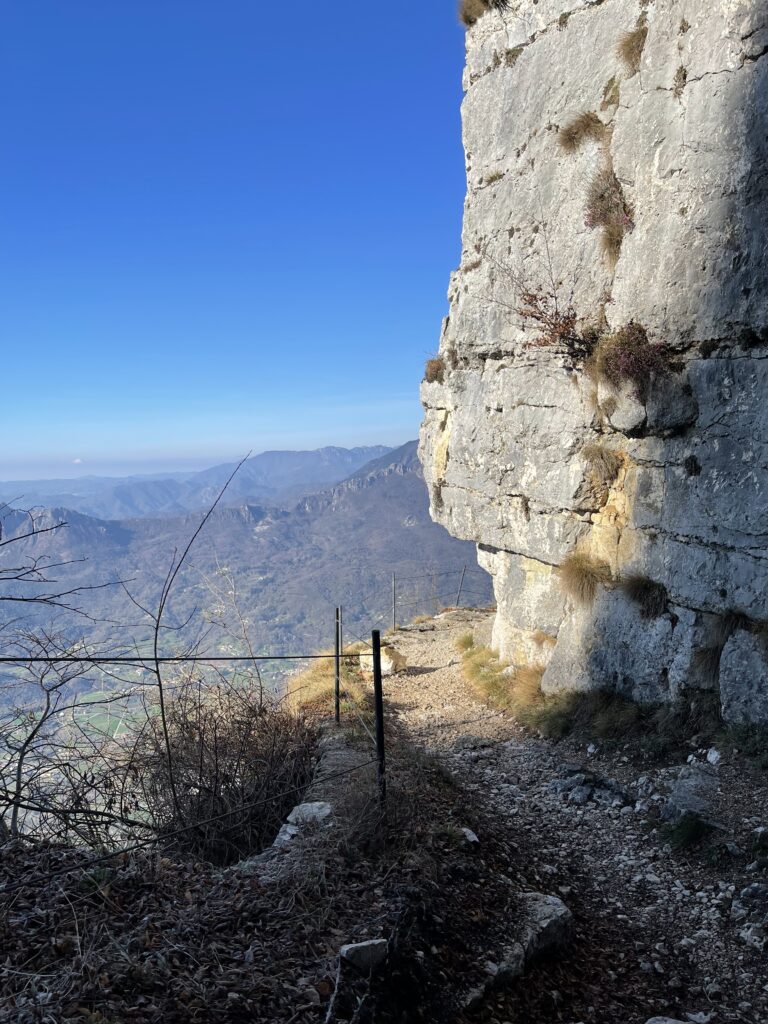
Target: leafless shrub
(238, 763)
(557, 326)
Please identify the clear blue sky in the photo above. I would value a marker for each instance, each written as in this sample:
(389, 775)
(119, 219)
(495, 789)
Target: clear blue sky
(226, 224)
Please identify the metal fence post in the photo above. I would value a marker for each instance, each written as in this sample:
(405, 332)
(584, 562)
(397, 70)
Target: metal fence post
(394, 602)
(378, 703)
(337, 667)
(461, 584)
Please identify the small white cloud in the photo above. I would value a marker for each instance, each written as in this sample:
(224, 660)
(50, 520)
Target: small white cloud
(76, 462)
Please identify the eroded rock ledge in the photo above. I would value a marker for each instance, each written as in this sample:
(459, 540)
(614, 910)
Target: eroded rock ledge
(675, 148)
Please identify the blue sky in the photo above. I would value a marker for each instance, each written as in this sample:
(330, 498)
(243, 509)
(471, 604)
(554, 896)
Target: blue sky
(226, 226)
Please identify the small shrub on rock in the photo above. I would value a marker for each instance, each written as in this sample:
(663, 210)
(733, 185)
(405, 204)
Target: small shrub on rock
(580, 575)
(558, 327)
(435, 371)
(628, 357)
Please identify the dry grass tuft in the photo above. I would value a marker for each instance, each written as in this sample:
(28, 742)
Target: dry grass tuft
(586, 126)
(608, 209)
(471, 11)
(630, 48)
(434, 372)
(313, 689)
(580, 575)
(465, 642)
(604, 465)
(650, 596)
(493, 177)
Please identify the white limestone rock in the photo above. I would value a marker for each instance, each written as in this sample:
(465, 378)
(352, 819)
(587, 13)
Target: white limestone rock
(503, 436)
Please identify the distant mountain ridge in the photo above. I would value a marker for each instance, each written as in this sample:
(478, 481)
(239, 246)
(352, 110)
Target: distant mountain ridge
(272, 477)
(289, 566)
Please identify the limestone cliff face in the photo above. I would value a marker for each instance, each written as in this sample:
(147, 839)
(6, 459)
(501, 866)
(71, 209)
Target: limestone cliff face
(676, 136)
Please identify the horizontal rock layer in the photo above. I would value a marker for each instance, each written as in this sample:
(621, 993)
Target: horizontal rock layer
(678, 127)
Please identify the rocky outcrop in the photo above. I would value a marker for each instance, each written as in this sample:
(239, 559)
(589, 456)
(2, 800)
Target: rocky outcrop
(603, 370)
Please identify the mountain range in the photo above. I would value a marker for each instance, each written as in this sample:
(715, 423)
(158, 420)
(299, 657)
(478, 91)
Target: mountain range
(275, 478)
(287, 567)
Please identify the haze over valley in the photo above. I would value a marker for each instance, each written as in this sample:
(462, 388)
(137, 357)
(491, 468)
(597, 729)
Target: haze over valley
(282, 563)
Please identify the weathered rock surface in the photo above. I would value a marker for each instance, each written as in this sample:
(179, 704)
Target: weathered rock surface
(504, 434)
(365, 956)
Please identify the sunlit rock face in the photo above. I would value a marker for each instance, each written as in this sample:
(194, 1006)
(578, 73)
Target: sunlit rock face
(677, 94)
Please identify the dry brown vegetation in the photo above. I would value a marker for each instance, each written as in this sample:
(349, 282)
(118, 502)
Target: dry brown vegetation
(607, 209)
(543, 639)
(604, 464)
(470, 11)
(627, 356)
(231, 755)
(599, 714)
(580, 575)
(313, 689)
(586, 126)
(681, 78)
(630, 48)
(611, 94)
(434, 372)
(557, 325)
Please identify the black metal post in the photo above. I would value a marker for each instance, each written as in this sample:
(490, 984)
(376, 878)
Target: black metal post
(378, 704)
(337, 667)
(461, 584)
(394, 602)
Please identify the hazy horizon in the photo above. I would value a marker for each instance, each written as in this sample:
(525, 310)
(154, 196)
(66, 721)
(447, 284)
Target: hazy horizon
(52, 469)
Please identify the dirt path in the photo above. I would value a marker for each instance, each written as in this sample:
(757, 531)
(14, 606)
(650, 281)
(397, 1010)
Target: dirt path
(657, 933)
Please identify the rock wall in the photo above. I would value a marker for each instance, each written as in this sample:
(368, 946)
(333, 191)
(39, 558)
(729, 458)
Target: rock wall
(676, 137)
